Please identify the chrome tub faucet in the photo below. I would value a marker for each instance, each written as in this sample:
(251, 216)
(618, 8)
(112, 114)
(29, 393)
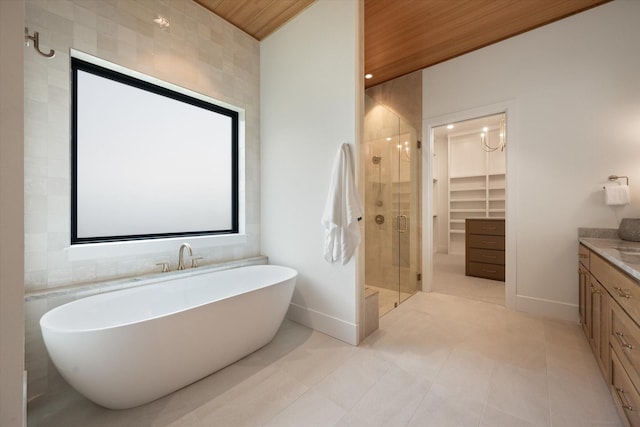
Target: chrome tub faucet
(181, 255)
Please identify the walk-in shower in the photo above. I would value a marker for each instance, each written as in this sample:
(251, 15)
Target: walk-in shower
(391, 194)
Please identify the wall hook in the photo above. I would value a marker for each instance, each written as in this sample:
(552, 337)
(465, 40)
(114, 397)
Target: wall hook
(36, 43)
(617, 177)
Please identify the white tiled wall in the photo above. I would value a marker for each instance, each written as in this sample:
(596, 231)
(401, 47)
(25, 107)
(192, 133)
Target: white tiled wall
(199, 51)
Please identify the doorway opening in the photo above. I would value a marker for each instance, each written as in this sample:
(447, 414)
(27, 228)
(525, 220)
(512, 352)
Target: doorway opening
(468, 165)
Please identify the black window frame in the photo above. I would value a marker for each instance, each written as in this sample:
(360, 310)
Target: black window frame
(82, 65)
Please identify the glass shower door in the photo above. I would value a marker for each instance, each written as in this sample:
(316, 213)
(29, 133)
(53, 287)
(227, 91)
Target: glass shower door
(392, 227)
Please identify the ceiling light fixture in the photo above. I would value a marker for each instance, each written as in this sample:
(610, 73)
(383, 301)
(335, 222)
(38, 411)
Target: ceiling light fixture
(368, 76)
(484, 138)
(162, 22)
(450, 127)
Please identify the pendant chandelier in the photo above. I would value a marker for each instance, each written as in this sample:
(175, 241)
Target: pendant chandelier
(484, 139)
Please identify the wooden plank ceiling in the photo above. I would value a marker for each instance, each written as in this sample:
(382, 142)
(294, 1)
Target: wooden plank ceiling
(402, 36)
(408, 35)
(258, 18)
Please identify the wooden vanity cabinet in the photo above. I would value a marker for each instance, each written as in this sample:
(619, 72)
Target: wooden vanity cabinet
(610, 314)
(624, 392)
(594, 311)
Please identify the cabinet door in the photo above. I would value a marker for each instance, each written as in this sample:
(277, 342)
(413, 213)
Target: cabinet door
(594, 314)
(583, 286)
(599, 338)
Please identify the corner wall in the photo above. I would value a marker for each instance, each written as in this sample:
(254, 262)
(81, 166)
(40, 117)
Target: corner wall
(310, 91)
(200, 51)
(575, 85)
(11, 213)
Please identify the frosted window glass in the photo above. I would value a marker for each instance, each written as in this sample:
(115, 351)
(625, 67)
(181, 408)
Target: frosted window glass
(148, 164)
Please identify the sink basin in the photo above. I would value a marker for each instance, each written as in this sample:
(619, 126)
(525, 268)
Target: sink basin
(628, 250)
(629, 254)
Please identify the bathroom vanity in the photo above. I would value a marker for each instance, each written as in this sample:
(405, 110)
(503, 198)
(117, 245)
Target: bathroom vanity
(609, 307)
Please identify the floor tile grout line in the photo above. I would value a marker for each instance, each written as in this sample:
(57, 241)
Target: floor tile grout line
(286, 407)
(418, 405)
(365, 393)
(486, 401)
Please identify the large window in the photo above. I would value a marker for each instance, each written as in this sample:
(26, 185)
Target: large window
(147, 161)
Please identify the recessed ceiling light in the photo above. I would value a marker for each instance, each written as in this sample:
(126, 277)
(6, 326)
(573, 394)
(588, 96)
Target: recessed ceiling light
(450, 126)
(485, 129)
(368, 76)
(162, 21)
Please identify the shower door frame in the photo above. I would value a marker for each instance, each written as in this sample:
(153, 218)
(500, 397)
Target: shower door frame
(403, 131)
(415, 221)
(508, 108)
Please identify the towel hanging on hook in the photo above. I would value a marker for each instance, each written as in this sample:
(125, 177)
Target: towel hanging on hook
(36, 43)
(617, 195)
(343, 210)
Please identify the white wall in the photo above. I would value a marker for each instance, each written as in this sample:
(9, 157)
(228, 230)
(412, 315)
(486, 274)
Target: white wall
(11, 212)
(310, 87)
(575, 85)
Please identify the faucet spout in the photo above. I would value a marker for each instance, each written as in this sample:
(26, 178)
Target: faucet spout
(181, 255)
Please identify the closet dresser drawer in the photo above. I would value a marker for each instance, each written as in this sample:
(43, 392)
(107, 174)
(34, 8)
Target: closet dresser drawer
(487, 271)
(486, 241)
(484, 248)
(624, 393)
(624, 290)
(486, 255)
(491, 227)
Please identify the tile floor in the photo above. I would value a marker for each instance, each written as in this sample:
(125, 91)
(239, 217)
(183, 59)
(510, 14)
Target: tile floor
(437, 360)
(449, 278)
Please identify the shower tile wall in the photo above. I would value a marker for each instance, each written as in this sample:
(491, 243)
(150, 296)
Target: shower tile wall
(199, 51)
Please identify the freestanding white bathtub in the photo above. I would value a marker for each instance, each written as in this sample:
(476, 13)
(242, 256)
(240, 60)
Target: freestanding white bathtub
(129, 347)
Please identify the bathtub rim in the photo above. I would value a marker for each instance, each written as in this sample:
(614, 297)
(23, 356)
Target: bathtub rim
(109, 284)
(141, 284)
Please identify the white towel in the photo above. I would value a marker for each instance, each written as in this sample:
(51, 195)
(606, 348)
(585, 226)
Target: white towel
(616, 195)
(342, 210)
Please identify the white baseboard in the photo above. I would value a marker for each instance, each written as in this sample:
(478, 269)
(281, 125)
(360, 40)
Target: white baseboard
(332, 326)
(547, 308)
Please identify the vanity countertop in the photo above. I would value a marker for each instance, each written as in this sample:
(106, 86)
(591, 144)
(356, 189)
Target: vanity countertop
(623, 254)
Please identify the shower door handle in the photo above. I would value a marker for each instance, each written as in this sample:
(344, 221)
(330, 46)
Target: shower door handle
(402, 223)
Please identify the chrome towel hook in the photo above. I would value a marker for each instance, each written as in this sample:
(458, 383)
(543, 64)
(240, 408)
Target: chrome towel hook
(36, 43)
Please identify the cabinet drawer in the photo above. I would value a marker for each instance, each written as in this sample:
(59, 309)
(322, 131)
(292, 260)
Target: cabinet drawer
(625, 340)
(486, 255)
(486, 242)
(624, 393)
(583, 255)
(622, 288)
(491, 227)
(487, 271)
